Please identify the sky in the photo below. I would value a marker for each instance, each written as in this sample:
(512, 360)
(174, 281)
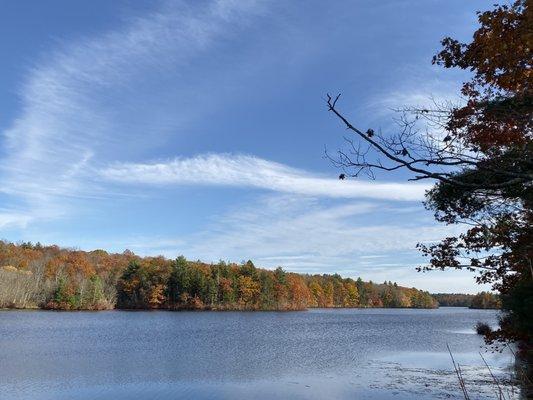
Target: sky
(199, 128)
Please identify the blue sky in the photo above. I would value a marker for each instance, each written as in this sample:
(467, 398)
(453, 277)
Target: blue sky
(198, 128)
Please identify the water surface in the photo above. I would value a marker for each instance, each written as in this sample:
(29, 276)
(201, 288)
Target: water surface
(318, 354)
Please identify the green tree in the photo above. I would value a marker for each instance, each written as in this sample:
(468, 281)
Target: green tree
(179, 280)
(363, 298)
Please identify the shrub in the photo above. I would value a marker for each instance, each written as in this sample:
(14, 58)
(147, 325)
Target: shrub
(483, 328)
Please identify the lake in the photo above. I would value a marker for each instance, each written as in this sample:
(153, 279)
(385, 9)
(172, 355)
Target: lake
(316, 354)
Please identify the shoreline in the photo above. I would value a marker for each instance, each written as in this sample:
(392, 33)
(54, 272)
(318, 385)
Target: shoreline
(239, 310)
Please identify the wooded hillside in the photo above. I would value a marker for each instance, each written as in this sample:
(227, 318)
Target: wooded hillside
(36, 276)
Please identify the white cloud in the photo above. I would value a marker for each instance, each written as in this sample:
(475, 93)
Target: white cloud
(371, 256)
(419, 85)
(306, 235)
(9, 219)
(67, 125)
(249, 171)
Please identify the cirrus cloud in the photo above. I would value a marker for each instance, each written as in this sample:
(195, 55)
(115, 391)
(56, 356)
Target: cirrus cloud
(250, 171)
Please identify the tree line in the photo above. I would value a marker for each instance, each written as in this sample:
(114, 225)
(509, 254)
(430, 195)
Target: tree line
(484, 300)
(50, 277)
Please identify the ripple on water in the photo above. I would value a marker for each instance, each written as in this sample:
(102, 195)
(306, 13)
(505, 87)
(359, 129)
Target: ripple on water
(321, 354)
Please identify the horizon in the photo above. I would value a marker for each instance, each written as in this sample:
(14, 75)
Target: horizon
(198, 128)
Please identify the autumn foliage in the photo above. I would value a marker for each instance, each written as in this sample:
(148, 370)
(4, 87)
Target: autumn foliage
(495, 127)
(64, 279)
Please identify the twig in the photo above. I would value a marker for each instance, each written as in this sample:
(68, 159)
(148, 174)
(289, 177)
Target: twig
(502, 397)
(459, 375)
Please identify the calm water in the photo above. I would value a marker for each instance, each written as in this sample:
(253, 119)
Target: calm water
(319, 354)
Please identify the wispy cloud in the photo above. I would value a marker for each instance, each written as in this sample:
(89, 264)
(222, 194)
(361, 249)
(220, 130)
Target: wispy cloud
(305, 235)
(66, 124)
(10, 218)
(420, 85)
(250, 171)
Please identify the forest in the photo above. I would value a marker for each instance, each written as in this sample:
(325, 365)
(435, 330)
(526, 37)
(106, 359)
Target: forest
(483, 300)
(50, 277)
(453, 299)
